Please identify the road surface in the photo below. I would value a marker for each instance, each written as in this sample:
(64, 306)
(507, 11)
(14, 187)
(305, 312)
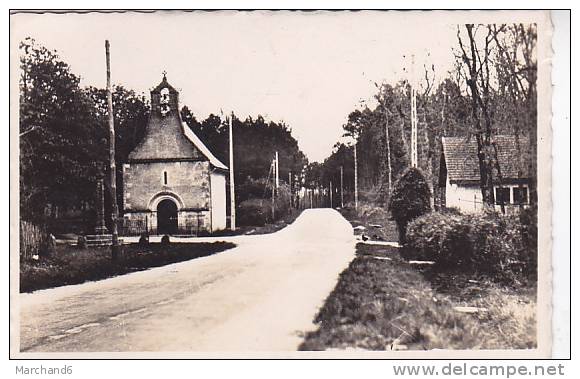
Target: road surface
(259, 296)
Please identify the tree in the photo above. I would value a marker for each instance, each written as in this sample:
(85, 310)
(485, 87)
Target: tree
(252, 164)
(410, 199)
(500, 70)
(478, 75)
(61, 144)
(516, 68)
(131, 113)
(383, 99)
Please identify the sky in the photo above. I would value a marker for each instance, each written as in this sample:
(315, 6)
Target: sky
(309, 70)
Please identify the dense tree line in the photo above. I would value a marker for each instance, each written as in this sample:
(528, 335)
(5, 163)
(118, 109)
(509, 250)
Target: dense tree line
(256, 142)
(64, 139)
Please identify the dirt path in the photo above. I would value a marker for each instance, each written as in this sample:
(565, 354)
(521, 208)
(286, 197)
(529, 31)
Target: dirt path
(261, 295)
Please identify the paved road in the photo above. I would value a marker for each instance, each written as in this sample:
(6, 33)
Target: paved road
(261, 295)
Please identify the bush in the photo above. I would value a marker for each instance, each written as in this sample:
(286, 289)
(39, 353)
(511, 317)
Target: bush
(443, 238)
(410, 199)
(486, 242)
(529, 232)
(252, 189)
(254, 212)
(502, 246)
(258, 211)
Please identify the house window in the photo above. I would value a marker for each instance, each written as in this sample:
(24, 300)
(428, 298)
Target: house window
(520, 195)
(502, 195)
(164, 177)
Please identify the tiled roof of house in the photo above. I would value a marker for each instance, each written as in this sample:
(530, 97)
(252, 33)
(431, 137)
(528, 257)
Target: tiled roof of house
(460, 154)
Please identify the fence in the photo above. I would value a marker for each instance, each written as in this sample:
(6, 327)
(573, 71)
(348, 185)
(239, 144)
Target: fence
(191, 227)
(33, 239)
(509, 208)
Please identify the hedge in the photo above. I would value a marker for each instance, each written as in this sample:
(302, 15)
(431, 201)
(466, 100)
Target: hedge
(486, 242)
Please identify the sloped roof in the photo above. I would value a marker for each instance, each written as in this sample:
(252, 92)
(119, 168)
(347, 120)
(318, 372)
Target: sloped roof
(193, 138)
(173, 143)
(167, 137)
(462, 164)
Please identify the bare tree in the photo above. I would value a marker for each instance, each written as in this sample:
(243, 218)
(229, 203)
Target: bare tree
(478, 78)
(382, 99)
(517, 74)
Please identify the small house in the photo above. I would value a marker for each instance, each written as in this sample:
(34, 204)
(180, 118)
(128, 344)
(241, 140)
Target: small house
(459, 177)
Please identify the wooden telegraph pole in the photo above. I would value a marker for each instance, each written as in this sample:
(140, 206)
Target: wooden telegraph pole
(273, 190)
(413, 115)
(388, 143)
(115, 248)
(355, 179)
(232, 185)
(277, 172)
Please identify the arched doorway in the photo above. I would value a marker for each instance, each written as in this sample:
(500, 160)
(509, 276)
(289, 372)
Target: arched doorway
(166, 217)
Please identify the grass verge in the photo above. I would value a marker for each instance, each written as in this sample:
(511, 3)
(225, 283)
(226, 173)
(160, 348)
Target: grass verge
(71, 265)
(382, 302)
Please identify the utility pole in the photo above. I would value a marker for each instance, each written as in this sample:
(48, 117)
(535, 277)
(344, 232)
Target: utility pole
(232, 185)
(355, 180)
(388, 141)
(277, 173)
(115, 248)
(341, 188)
(273, 190)
(413, 115)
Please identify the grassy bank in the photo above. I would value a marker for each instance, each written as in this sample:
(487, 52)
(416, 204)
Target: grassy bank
(384, 302)
(71, 265)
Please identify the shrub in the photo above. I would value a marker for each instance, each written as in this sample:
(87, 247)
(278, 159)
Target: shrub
(529, 232)
(252, 189)
(165, 241)
(501, 246)
(410, 199)
(486, 242)
(258, 211)
(443, 238)
(254, 212)
(488, 238)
